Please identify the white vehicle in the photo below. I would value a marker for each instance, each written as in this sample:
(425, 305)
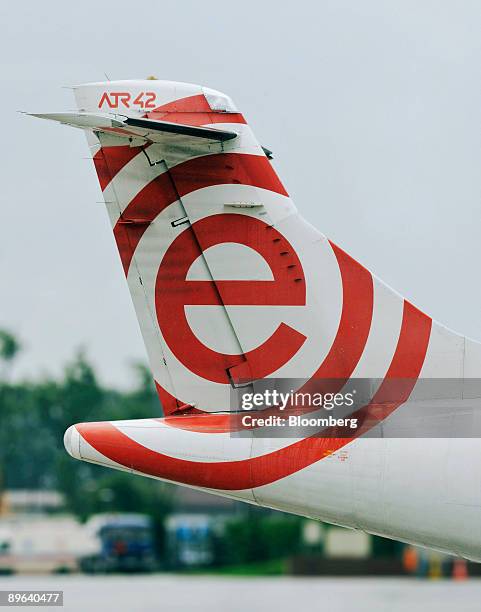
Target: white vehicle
(231, 287)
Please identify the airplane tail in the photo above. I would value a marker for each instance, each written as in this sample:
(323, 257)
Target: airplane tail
(229, 283)
(230, 286)
(194, 200)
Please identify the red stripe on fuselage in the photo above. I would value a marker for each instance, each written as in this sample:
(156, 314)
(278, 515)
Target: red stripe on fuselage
(265, 469)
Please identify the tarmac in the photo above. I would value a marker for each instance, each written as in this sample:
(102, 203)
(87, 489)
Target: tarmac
(172, 593)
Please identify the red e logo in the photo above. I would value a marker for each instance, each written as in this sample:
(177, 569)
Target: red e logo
(173, 292)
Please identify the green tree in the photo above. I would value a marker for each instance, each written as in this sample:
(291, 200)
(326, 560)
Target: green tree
(33, 419)
(9, 348)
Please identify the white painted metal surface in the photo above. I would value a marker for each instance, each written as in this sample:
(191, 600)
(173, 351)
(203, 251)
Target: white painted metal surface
(226, 293)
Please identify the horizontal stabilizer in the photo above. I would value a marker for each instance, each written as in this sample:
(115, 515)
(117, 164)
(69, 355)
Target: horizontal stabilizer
(149, 130)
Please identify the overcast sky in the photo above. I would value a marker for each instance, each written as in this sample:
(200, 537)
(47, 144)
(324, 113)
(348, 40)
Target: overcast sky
(372, 110)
